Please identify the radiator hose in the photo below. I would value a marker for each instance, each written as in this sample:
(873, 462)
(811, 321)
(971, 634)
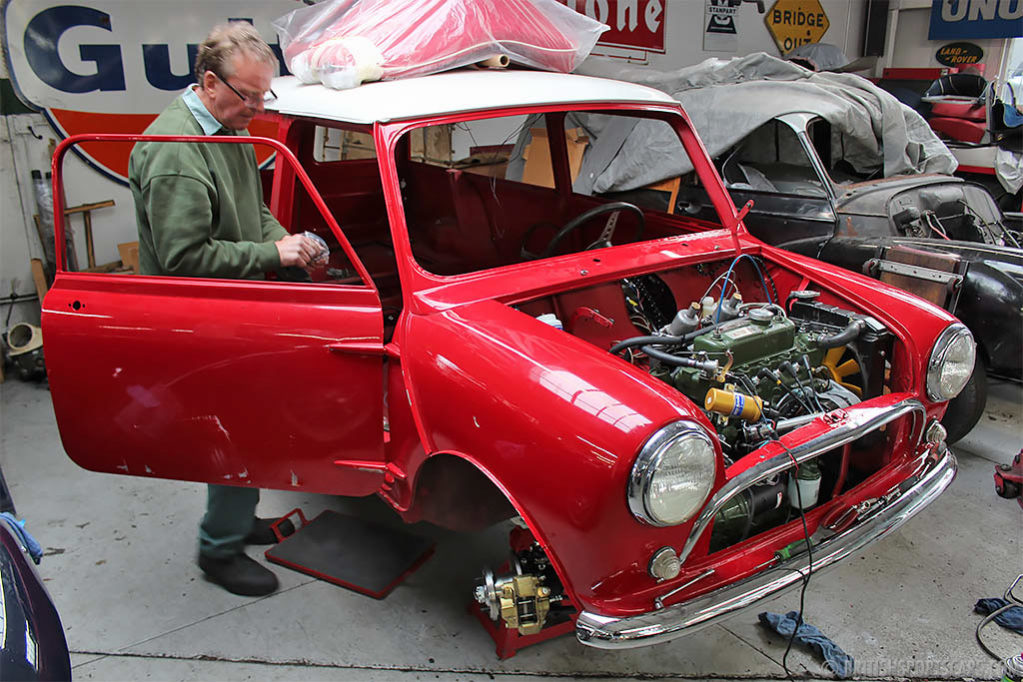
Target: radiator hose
(843, 337)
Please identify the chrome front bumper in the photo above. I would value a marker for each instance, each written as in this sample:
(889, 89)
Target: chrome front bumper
(654, 627)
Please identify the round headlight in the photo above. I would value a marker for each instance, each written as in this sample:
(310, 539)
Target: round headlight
(673, 475)
(951, 363)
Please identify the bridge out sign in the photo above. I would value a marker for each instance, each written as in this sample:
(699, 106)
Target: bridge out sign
(796, 22)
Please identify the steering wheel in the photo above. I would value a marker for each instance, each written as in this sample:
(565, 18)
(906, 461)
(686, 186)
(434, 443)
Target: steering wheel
(603, 241)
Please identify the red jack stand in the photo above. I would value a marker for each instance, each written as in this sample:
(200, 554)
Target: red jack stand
(509, 642)
(1009, 479)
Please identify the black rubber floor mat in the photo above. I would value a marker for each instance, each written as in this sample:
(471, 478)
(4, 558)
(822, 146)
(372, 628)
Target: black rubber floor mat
(352, 552)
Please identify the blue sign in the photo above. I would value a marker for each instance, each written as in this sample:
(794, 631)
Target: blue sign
(958, 19)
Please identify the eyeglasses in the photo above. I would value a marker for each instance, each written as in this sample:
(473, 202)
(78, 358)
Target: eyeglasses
(252, 100)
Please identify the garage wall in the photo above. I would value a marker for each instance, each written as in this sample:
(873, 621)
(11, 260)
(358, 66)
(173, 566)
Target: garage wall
(685, 22)
(684, 31)
(910, 48)
(17, 244)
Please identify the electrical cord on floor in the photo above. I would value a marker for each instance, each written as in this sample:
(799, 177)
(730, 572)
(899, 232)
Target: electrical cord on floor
(987, 619)
(1012, 601)
(809, 567)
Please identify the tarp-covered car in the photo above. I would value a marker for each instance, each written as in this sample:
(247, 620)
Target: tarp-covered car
(645, 391)
(840, 170)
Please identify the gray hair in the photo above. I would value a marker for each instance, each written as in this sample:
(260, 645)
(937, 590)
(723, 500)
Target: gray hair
(224, 42)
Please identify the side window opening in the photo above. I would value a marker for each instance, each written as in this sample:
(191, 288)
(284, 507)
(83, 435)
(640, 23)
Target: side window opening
(772, 159)
(96, 231)
(333, 144)
(341, 162)
(846, 160)
(466, 202)
(485, 193)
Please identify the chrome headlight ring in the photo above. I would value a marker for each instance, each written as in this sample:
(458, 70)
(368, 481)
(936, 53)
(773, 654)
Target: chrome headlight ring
(951, 363)
(673, 474)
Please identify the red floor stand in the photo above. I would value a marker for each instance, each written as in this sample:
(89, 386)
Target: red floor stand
(509, 642)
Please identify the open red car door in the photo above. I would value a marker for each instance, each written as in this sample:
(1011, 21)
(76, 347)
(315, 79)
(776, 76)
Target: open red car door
(258, 383)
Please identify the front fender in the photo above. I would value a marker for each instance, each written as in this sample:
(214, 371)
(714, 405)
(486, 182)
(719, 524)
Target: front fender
(991, 305)
(554, 421)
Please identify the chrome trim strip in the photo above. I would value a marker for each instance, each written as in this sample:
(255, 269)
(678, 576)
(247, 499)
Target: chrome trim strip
(608, 632)
(837, 437)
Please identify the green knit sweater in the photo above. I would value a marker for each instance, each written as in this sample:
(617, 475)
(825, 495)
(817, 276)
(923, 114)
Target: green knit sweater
(199, 207)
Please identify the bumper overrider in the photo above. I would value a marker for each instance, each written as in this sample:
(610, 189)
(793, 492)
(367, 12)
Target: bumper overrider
(937, 468)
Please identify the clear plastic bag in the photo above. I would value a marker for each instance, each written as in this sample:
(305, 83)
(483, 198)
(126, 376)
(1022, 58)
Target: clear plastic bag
(342, 43)
(323, 255)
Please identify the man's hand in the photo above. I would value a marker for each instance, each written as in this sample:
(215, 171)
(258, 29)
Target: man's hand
(296, 249)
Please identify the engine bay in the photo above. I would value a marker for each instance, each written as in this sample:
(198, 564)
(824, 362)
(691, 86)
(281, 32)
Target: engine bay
(759, 358)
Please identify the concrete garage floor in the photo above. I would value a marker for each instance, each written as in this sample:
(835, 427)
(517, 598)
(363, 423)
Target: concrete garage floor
(120, 565)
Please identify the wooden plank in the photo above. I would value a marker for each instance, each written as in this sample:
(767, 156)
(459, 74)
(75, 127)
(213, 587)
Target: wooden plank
(129, 255)
(538, 169)
(671, 186)
(105, 267)
(88, 207)
(39, 277)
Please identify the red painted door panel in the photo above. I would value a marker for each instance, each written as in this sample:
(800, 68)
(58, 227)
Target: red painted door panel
(250, 383)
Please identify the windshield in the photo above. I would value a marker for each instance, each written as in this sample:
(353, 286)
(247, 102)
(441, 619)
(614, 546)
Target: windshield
(497, 191)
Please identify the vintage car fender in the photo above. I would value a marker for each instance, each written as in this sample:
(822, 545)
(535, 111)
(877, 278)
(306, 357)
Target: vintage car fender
(554, 421)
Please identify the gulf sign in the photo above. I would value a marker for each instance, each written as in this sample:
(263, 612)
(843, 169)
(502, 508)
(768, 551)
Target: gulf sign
(111, 66)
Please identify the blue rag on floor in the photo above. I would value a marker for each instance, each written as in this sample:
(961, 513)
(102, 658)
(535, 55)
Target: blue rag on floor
(29, 542)
(837, 660)
(1010, 619)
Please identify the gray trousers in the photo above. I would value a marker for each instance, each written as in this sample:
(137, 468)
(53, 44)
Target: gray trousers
(230, 511)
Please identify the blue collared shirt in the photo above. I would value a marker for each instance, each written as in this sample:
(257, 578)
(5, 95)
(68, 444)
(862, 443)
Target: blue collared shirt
(207, 122)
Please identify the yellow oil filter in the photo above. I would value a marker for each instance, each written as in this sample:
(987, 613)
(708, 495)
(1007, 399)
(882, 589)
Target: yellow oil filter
(734, 404)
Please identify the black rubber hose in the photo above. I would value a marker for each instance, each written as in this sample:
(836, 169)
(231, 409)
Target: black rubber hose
(843, 337)
(646, 340)
(669, 359)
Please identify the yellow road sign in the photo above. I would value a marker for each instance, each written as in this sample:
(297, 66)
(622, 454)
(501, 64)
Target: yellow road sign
(796, 22)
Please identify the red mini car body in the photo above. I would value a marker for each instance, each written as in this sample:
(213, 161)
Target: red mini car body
(662, 401)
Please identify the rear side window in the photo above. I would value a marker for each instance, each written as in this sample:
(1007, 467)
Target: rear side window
(772, 159)
(334, 144)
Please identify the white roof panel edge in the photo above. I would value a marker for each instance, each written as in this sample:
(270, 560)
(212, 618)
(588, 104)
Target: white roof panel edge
(451, 92)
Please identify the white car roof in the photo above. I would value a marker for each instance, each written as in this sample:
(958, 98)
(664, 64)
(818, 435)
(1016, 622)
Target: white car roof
(451, 92)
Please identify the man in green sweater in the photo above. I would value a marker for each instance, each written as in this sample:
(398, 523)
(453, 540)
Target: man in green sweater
(200, 213)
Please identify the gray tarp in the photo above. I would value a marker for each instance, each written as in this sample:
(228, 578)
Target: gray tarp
(726, 99)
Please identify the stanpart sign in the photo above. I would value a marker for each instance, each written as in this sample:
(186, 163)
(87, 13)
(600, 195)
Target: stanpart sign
(635, 24)
(113, 65)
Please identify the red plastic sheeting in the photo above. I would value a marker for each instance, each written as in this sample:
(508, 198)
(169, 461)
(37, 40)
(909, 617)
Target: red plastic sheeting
(342, 43)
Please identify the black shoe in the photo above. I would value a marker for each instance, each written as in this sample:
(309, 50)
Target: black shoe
(263, 534)
(239, 574)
